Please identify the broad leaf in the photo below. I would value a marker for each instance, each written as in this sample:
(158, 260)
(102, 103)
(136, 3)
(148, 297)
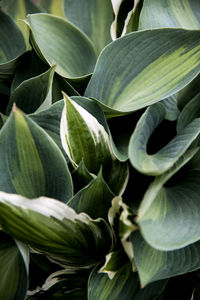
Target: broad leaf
(169, 213)
(61, 43)
(34, 94)
(125, 285)
(168, 61)
(93, 17)
(169, 13)
(153, 264)
(85, 138)
(161, 161)
(53, 228)
(95, 194)
(13, 271)
(31, 164)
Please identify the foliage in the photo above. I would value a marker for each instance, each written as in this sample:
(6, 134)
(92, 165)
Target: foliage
(99, 144)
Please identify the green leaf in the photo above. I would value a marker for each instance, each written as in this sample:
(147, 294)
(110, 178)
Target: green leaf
(188, 92)
(169, 213)
(95, 194)
(81, 177)
(52, 6)
(171, 108)
(85, 138)
(53, 228)
(125, 285)
(93, 17)
(153, 264)
(132, 20)
(116, 6)
(168, 61)
(190, 112)
(30, 163)
(34, 94)
(29, 65)
(169, 13)
(18, 10)
(12, 45)
(49, 120)
(64, 284)
(61, 43)
(161, 161)
(13, 271)
(114, 262)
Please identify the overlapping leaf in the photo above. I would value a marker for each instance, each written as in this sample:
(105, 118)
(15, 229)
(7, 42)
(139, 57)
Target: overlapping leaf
(31, 164)
(85, 138)
(93, 17)
(125, 285)
(53, 228)
(95, 194)
(33, 94)
(59, 42)
(12, 45)
(29, 65)
(52, 6)
(18, 10)
(165, 60)
(14, 269)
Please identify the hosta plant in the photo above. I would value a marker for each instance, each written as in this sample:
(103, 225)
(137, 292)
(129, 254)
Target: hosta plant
(99, 144)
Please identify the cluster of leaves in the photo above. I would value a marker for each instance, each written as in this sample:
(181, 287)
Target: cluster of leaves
(99, 143)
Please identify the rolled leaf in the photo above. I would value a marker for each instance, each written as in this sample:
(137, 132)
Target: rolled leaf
(93, 17)
(168, 61)
(31, 164)
(62, 44)
(180, 13)
(190, 112)
(169, 214)
(161, 161)
(53, 228)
